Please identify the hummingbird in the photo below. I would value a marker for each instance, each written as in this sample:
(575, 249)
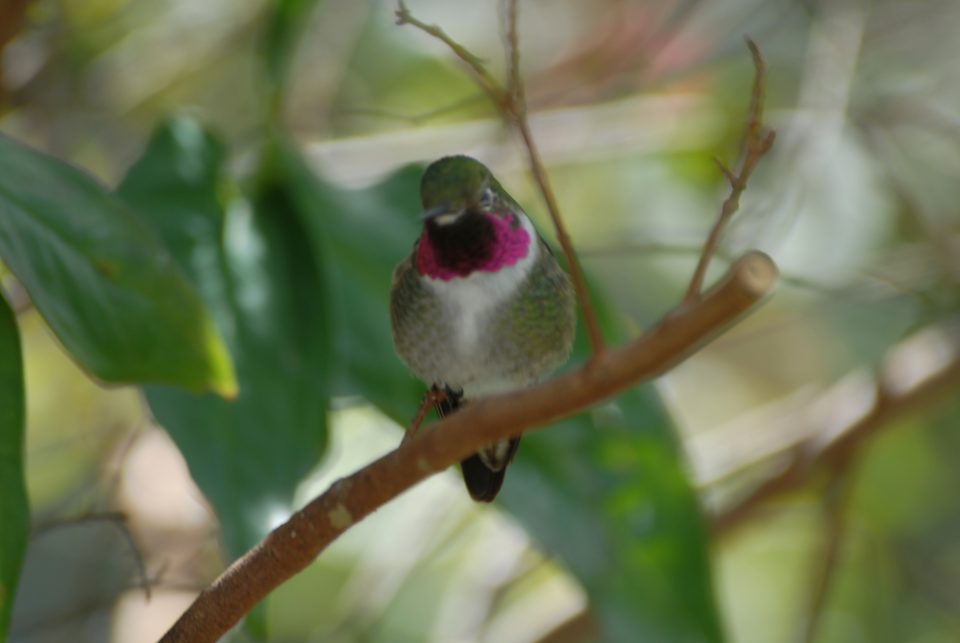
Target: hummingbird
(480, 306)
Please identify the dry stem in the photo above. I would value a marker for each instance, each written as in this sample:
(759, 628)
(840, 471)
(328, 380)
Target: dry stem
(757, 141)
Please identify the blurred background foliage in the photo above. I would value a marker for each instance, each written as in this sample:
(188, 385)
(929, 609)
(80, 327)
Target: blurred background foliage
(268, 144)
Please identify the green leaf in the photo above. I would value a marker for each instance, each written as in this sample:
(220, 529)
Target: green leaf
(102, 280)
(14, 512)
(363, 234)
(284, 26)
(261, 279)
(606, 492)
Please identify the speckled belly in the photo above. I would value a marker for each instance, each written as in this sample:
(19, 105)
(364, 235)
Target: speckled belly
(478, 338)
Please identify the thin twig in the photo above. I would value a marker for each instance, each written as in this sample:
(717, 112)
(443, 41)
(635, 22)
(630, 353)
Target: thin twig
(296, 543)
(597, 343)
(487, 82)
(514, 81)
(518, 115)
(757, 141)
(511, 103)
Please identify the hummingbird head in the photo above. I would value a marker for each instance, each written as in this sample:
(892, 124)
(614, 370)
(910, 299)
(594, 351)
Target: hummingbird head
(457, 185)
(470, 223)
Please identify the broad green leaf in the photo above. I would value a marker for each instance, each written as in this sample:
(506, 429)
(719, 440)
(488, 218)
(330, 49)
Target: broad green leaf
(285, 23)
(101, 279)
(363, 234)
(605, 492)
(256, 272)
(14, 512)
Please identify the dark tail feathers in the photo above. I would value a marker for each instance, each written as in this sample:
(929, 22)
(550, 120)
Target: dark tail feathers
(482, 482)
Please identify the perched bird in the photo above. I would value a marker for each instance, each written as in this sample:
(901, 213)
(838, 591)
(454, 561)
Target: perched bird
(480, 306)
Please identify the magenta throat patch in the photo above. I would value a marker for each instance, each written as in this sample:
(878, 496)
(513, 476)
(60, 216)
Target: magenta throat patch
(511, 244)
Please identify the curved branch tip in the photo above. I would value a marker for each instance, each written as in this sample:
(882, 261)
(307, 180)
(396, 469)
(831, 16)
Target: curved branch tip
(756, 272)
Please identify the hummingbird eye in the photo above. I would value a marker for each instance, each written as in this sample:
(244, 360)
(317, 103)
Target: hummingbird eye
(486, 199)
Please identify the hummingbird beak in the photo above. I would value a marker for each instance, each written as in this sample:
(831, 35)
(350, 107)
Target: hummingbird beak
(442, 214)
(434, 212)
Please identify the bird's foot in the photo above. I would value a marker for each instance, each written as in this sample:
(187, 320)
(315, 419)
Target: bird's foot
(433, 398)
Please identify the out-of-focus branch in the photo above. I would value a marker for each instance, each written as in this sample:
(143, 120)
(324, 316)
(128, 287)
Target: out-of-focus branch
(115, 518)
(511, 103)
(581, 626)
(835, 502)
(757, 141)
(294, 544)
(918, 371)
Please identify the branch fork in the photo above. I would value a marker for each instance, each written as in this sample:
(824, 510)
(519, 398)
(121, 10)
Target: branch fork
(757, 141)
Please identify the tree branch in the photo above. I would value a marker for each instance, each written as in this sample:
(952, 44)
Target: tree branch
(757, 141)
(511, 103)
(916, 372)
(293, 545)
